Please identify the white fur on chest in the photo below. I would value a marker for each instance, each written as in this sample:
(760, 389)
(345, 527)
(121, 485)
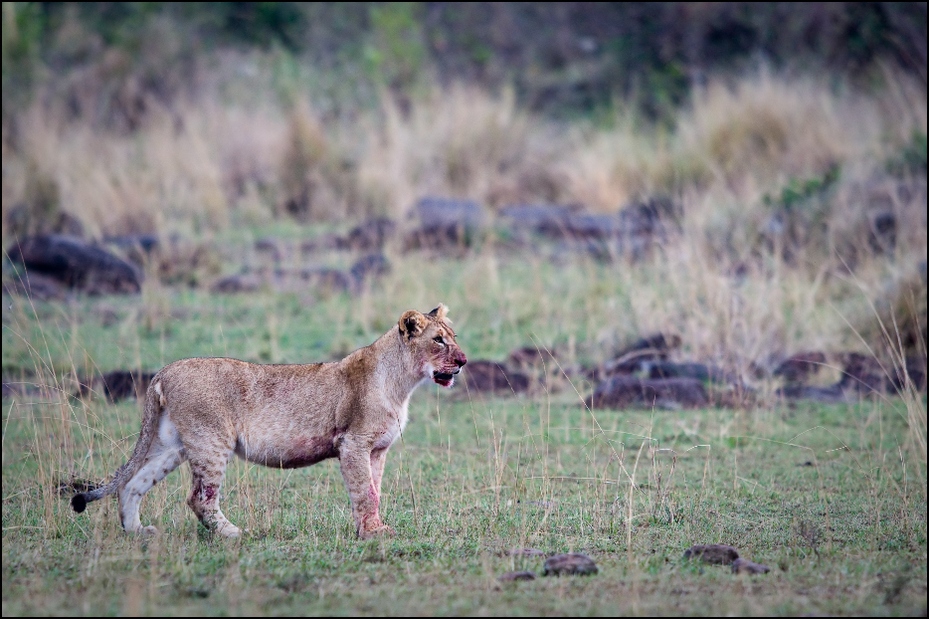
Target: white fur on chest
(394, 428)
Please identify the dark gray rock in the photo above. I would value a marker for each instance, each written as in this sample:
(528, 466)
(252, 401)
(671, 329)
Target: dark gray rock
(573, 564)
(323, 279)
(800, 367)
(439, 223)
(370, 235)
(118, 384)
(717, 554)
(744, 566)
(914, 370)
(516, 576)
(628, 391)
(77, 264)
(544, 219)
(139, 248)
(484, 376)
(36, 286)
(232, 284)
(649, 349)
(367, 268)
(864, 374)
(698, 371)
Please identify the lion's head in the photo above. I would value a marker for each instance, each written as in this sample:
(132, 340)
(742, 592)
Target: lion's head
(432, 342)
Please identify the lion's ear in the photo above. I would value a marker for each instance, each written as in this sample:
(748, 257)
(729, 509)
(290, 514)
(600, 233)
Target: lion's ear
(440, 312)
(412, 323)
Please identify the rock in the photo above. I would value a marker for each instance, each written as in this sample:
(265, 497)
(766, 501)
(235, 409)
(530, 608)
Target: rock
(915, 370)
(137, 247)
(443, 222)
(322, 279)
(628, 391)
(573, 564)
(651, 348)
(516, 576)
(882, 231)
(484, 376)
(863, 374)
(118, 384)
(698, 371)
(371, 235)
(744, 566)
(36, 286)
(717, 554)
(367, 268)
(593, 227)
(77, 264)
(539, 218)
(629, 233)
(530, 356)
(247, 282)
(800, 367)
(325, 242)
(271, 249)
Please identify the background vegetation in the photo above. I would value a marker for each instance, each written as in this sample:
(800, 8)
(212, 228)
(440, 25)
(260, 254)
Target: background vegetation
(781, 133)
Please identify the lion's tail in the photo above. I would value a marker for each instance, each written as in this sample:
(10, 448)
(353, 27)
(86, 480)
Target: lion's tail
(154, 404)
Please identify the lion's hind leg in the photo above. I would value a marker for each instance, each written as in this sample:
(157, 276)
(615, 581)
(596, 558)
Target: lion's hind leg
(164, 455)
(208, 468)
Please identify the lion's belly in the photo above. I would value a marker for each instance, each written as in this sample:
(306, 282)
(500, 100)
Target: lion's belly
(295, 452)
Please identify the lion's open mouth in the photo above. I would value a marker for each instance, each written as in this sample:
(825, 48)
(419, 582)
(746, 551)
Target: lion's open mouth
(443, 378)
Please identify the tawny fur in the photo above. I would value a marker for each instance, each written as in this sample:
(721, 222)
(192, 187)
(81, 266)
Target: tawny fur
(204, 410)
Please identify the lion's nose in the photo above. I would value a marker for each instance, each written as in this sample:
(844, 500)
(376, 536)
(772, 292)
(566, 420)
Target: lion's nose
(461, 360)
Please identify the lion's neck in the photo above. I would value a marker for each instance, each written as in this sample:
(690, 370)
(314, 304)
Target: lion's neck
(393, 369)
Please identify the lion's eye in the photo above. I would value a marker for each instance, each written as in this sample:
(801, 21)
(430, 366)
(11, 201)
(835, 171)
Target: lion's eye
(439, 340)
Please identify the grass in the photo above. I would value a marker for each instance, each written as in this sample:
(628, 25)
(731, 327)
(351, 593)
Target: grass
(833, 498)
(777, 182)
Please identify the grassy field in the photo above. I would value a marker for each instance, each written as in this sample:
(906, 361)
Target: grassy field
(832, 498)
(795, 222)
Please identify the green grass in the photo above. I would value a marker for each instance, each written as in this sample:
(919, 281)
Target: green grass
(833, 498)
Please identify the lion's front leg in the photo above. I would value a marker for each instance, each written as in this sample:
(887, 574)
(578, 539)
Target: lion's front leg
(378, 458)
(355, 462)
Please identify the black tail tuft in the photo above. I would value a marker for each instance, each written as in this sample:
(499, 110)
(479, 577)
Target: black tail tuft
(78, 503)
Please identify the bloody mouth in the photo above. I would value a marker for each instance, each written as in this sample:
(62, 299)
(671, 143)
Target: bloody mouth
(443, 378)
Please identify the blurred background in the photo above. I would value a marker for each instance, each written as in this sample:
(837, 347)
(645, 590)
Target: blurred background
(754, 172)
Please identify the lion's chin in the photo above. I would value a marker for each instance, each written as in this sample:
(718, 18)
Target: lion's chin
(441, 378)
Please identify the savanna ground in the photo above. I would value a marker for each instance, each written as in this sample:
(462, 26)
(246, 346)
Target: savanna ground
(799, 224)
(831, 497)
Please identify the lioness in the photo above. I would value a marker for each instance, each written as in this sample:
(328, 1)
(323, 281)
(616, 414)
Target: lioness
(203, 410)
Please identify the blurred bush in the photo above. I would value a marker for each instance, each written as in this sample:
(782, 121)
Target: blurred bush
(562, 57)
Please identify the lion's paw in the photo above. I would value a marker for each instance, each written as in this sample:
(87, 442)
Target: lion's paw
(382, 530)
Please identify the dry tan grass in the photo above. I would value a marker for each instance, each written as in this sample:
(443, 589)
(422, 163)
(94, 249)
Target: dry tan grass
(212, 163)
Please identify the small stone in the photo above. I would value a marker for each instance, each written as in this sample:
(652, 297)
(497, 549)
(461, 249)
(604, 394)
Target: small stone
(573, 564)
(717, 554)
(744, 566)
(516, 576)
